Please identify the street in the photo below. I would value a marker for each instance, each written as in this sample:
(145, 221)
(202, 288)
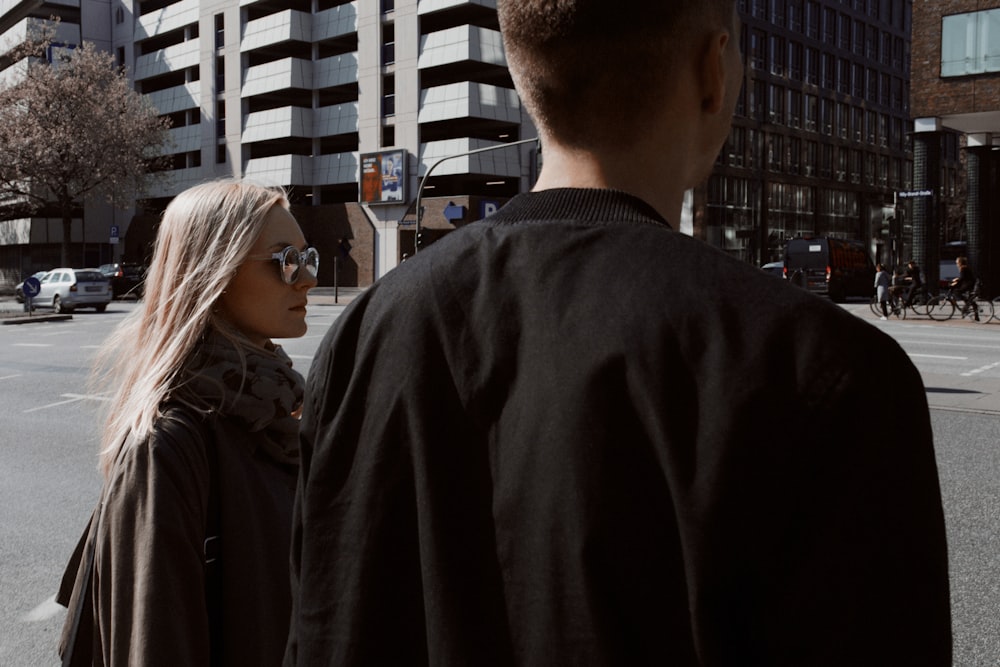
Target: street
(49, 482)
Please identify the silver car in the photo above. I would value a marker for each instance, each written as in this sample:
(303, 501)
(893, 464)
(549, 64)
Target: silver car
(67, 289)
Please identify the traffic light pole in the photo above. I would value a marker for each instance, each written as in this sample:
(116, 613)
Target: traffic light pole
(420, 190)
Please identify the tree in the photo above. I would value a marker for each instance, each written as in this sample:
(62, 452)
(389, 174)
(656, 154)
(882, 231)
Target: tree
(71, 131)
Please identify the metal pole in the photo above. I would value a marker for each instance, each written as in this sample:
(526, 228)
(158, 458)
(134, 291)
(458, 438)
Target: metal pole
(420, 190)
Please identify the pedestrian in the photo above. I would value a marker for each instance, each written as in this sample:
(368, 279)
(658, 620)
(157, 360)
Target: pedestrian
(882, 282)
(556, 438)
(185, 560)
(964, 285)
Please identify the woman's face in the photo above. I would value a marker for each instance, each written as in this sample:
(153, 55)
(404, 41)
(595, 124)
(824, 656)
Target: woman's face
(257, 301)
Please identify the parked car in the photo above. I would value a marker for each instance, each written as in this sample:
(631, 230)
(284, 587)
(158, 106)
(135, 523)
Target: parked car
(776, 269)
(66, 289)
(19, 288)
(126, 279)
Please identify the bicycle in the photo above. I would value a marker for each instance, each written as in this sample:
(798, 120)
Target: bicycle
(894, 305)
(944, 306)
(917, 302)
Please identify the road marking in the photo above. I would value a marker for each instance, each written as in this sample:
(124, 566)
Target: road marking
(981, 369)
(9, 377)
(31, 344)
(936, 356)
(300, 356)
(44, 611)
(71, 398)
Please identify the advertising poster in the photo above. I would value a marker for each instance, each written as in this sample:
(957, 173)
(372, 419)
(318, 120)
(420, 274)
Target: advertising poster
(383, 177)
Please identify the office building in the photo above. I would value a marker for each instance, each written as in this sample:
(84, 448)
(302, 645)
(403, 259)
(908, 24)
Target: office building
(956, 102)
(349, 104)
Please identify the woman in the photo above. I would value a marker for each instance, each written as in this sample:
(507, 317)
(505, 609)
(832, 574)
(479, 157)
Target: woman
(882, 281)
(200, 447)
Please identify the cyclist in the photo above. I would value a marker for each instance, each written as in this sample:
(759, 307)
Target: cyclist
(912, 276)
(964, 286)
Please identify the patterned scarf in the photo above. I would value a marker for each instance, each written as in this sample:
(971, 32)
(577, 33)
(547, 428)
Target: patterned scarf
(265, 398)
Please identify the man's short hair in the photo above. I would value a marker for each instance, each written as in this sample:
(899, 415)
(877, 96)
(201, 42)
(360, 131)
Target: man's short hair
(590, 70)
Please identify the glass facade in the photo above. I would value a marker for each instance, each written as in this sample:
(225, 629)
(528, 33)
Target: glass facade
(970, 43)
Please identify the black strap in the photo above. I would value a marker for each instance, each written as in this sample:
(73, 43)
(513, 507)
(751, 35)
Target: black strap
(213, 556)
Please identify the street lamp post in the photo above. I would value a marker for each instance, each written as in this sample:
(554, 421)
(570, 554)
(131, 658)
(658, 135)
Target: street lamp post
(423, 180)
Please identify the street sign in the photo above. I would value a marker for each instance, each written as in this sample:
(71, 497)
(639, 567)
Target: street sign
(114, 234)
(453, 212)
(916, 193)
(31, 287)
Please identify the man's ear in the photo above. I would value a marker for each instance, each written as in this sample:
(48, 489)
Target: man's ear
(713, 71)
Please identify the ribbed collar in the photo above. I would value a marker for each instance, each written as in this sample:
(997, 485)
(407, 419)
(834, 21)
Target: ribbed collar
(578, 205)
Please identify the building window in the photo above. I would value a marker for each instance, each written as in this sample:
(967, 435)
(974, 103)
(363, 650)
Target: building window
(794, 108)
(775, 104)
(795, 61)
(758, 50)
(388, 96)
(220, 74)
(970, 43)
(220, 153)
(777, 45)
(220, 118)
(220, 31)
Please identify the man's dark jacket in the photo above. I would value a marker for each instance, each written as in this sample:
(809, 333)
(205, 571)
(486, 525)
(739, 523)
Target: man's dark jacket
(568, 435)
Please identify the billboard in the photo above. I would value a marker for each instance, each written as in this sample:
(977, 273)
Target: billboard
(383, 177)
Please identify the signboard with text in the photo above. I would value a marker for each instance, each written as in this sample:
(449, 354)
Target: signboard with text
(383, 177)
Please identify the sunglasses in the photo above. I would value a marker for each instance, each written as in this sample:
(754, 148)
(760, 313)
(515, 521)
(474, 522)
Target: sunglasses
(291, 260)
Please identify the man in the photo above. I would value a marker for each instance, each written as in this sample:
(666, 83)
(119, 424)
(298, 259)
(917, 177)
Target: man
(556, 438)
(964, 285)
(914, 282)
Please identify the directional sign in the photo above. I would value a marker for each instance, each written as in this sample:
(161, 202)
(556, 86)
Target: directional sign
(916, 193)
(31, 287)
(114, 234)
(453, 212)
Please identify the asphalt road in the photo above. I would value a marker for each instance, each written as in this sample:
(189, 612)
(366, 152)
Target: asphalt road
(49, 483)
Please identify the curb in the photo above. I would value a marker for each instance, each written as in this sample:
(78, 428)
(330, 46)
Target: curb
(32, 319)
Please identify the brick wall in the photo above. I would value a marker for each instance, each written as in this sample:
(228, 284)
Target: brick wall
(930, 95)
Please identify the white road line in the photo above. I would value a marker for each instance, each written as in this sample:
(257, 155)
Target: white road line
(10, 377)
(71, 398)
(31, 344)
(981, 369)
(936, 356)
(44, 611)
(300, 356)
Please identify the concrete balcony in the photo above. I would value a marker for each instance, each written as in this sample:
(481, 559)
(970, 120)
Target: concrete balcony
(335, 22)
(505, 163)
(169, 18)
(183, 139)
(336, 71)
(280, 170)
(178, 98)
(278, 75)
(277, 124)
(335, 169)
(461, 44)
(171, 59)
(469, 100)
(66, 33)
(335, 120)
(428, 6)
(289, 25)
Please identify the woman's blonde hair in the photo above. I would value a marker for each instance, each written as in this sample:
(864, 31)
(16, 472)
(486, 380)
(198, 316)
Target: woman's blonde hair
(206, 233)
